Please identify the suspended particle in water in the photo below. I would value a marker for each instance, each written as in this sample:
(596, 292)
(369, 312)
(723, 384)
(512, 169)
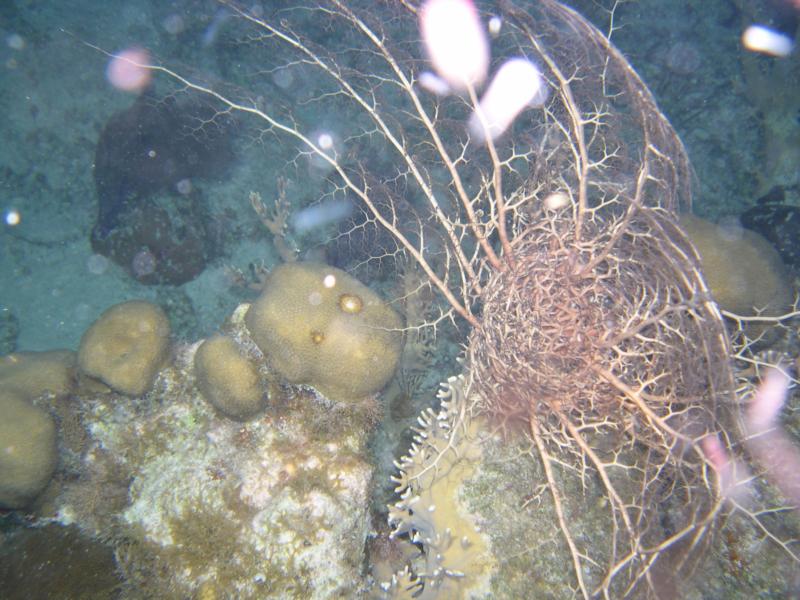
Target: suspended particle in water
(758, 38)
(144, 263)
(456, 42)
(495, 25)
(15, 41)
(12, 217)
(517, 85)
(283, 78)
(325, 141)
(97, 264)
(128, 70)
(184, 187)
(173, 24)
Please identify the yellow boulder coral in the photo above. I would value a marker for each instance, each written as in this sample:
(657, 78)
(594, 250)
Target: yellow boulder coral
(227, 379)
(126, 347)
(319, 326)
(28, 456)
(31, 374)
(742, 269)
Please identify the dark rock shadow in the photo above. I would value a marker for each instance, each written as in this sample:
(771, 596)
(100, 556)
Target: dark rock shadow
(147, 158)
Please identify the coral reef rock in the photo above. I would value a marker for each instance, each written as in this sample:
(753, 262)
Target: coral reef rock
(198, 505)
(151, 220)
(474, 519)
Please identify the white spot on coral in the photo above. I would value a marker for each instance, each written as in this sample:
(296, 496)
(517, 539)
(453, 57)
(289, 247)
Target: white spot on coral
(315, 298)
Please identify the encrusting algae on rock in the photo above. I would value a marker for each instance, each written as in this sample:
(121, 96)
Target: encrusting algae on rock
(265, 509)
(201, 502)
(222, 479)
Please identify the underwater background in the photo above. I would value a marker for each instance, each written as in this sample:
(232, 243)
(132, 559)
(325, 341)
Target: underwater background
(106, 199)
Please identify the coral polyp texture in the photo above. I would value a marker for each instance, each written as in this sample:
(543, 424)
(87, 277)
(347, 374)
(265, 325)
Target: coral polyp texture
(744, 271)
(28, 456)
(319, 326)
(28, 436)
(126, 346)
(229, 379)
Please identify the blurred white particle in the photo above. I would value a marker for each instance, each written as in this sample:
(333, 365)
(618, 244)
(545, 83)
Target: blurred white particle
(97, 264)
(128, 70)
(184, 187)
(320, 214)
(556, 201)
(329, 281)
(212, 31)
(495, 24)
(758, 38)
(517, 85)
(173, 24)
(455, 41)
(15, 41)
(283, 78)
(433, 83)
(12, 217)
(325, 141)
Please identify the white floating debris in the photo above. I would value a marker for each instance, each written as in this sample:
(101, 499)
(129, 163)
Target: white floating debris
(320, 215)
(758, 38)
(495, 25)
(517, 85)
(556, 201)
(434, 84)
(456, 42)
